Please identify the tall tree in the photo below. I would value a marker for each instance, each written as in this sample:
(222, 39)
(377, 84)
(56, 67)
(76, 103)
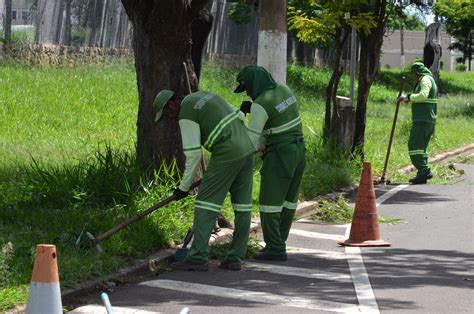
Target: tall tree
(370, 50)
(316, 21)
(272, 38)
(458, 16)
(161, 43)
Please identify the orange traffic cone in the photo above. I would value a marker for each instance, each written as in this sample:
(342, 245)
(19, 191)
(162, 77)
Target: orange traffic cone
(365, 226)
(45, 295)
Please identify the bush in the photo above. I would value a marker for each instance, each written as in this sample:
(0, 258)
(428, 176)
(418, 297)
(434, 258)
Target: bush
(328, 168)
(461, 67)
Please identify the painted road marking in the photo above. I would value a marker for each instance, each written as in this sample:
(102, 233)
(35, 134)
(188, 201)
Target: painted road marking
(317, 253)
(319, 224)
(317, 235)
(298, 272)
(390, 193)
(251, 296)
(99, 309)
(360, 278)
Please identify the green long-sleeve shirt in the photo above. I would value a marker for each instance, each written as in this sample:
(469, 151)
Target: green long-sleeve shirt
(208, 120)
(424, 100)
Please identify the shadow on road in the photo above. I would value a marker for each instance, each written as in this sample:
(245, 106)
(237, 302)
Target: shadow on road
(403, 268)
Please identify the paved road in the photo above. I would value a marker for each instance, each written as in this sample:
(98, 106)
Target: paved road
(428, 268)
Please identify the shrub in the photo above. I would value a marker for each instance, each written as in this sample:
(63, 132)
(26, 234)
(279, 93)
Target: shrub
(461, 67)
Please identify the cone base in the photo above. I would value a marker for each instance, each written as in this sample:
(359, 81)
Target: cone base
(350, 242)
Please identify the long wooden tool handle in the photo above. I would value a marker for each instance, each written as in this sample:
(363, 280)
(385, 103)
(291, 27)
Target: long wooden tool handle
(187, 77)
(141, 214)
(392, 132)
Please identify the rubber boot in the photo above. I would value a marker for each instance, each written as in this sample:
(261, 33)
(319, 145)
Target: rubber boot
(204, 222)
(286, 219)
(240, 237)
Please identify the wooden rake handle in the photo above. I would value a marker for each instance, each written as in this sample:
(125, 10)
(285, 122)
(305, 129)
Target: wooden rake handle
(141, 214)
(392, 132)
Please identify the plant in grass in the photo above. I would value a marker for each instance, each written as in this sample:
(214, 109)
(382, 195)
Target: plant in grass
(6, 254)
(469, 159)
(337, 211)
(442, 174)
(328, 168)
(219, 251)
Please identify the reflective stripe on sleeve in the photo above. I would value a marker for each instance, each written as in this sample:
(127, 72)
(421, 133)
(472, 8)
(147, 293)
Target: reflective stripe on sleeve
(284, 127)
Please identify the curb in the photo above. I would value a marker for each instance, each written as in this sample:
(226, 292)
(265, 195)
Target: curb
(441, 157)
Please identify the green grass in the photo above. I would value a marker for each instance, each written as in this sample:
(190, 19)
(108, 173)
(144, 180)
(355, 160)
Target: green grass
(67, 143)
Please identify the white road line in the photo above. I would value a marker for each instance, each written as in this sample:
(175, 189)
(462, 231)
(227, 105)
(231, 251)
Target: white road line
(360, 278)
(298, 272)
(390, 193)
(252, 296)
(99, 309)
(319, 224)
(317, 253)
(317, 235)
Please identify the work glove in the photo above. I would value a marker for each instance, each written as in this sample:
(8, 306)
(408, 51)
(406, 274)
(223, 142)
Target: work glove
(179, 194)
(245, 106)
(403, 98)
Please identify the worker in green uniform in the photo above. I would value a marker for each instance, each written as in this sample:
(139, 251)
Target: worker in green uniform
(275, 129)
(424, 101)
(208, 120)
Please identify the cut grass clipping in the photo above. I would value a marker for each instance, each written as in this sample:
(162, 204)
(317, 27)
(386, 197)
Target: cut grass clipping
(339, 211)
(219, 251)
(442, 174)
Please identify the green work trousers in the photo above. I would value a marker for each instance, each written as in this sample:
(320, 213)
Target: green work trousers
(420, 135)
(281, 174)
(222, 177)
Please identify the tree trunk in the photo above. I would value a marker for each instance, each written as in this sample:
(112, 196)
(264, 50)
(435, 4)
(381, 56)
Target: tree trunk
(272, 38)
(67, 24)
(201, 27)
(370, 51)
(333, 84)
(59, 23)
(161, 42)
(8, 21)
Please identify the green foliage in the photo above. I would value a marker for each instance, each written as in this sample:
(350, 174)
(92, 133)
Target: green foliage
(338, 211)
(328, 168)
(241, 11)
(461, 67)
(411, 22)
(316, 21)
(219, 251)
(458, 16)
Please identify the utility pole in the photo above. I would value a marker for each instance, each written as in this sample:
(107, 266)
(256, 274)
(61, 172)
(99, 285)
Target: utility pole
(272, 38)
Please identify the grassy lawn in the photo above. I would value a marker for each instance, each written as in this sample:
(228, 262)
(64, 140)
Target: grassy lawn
(67, 139)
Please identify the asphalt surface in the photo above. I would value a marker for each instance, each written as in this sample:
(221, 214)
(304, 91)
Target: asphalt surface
(428, 268)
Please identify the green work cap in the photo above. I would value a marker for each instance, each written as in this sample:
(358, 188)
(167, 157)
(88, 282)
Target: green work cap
(160, 101)
(420, 69)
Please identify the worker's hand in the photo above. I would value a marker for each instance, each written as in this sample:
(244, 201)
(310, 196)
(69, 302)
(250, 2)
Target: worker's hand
(403, 98)
(245, 106)
(178, 194)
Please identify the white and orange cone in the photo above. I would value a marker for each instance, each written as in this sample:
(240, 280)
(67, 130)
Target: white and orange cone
(45, 293)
